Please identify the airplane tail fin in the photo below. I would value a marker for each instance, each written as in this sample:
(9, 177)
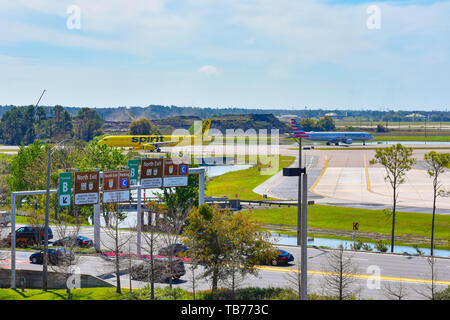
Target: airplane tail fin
(298, 132)
(203, 131)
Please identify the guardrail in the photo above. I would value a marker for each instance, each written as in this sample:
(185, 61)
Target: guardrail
(235, 204)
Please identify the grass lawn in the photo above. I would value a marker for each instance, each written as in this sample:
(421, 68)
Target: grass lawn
(24, 220)
(413, 138)
(242, 182)
(61, 294)
(342, 218)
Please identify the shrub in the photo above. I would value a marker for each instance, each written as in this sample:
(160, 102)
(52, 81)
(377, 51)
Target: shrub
(381, 128)
(356, 245)
(381, 246)
(443, 295)
(251, 293)
(418, 250)
(71, 220)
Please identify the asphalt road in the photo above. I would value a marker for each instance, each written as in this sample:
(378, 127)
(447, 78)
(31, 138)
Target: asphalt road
(413, 272)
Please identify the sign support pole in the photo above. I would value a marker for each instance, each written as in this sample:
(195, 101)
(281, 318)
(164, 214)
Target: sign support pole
(97, 226)
(138, 216)
(13, 227)
(13, 240)
(201, 187)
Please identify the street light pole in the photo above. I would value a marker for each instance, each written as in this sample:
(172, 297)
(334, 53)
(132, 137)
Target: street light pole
(47, 213)
(299, 207)
(304, 254)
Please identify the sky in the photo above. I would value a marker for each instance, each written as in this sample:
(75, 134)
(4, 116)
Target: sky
(284, 54)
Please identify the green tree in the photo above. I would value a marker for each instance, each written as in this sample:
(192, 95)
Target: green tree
(100, 156)
(397, 160)
(28, 168)
(142, 126)
(61, 125)
(227, 242)
(436, 164)
(104, 158)
(88, 124)
(326, 124)
(308, 124)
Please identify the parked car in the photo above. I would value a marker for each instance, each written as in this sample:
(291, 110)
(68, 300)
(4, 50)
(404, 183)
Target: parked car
(176, 250)
(31, 235)
(71, 241)
(142, 271)
(56, 256)
(5, 218)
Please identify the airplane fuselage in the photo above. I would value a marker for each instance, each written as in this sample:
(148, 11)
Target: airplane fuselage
(336, 137)
(156, 141)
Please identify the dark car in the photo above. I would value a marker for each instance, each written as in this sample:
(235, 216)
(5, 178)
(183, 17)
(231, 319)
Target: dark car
(72, 241)
(56, 256)
(176, 250)
(142, 271)
(283, 258)
(31, 235)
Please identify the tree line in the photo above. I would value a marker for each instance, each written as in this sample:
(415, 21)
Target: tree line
(24, 125)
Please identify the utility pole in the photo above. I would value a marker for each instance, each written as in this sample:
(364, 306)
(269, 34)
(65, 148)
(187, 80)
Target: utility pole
(299, 207)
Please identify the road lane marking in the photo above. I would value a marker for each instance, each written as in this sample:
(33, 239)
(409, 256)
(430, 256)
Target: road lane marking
(318, 179)
(367, 174)
(357, 276)
(368, 180)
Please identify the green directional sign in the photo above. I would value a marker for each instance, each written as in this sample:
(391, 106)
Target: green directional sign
(65, 189)
(133, 166)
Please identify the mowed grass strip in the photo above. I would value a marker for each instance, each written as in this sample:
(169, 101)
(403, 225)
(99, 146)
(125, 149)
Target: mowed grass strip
(242, 182)
(342, 218)
(413, 138)
(61, 294)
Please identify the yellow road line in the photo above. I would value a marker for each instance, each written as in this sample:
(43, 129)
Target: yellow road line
(367, 174)
(319, 177)
(357, 276)
(368, 180)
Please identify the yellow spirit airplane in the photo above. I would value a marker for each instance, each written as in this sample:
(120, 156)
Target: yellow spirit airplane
(155, 142)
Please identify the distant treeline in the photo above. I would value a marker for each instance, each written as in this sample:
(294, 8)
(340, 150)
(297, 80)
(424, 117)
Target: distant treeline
(161, 112)
(26, 124)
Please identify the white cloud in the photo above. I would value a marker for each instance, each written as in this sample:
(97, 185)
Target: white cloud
(300, 49)
(209, 70)
(138, 26)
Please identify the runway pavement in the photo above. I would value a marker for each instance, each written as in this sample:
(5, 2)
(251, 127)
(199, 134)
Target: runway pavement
(347, 178)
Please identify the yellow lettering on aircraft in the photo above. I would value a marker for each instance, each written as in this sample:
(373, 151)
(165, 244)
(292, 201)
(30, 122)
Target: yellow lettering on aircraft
(154, 142)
